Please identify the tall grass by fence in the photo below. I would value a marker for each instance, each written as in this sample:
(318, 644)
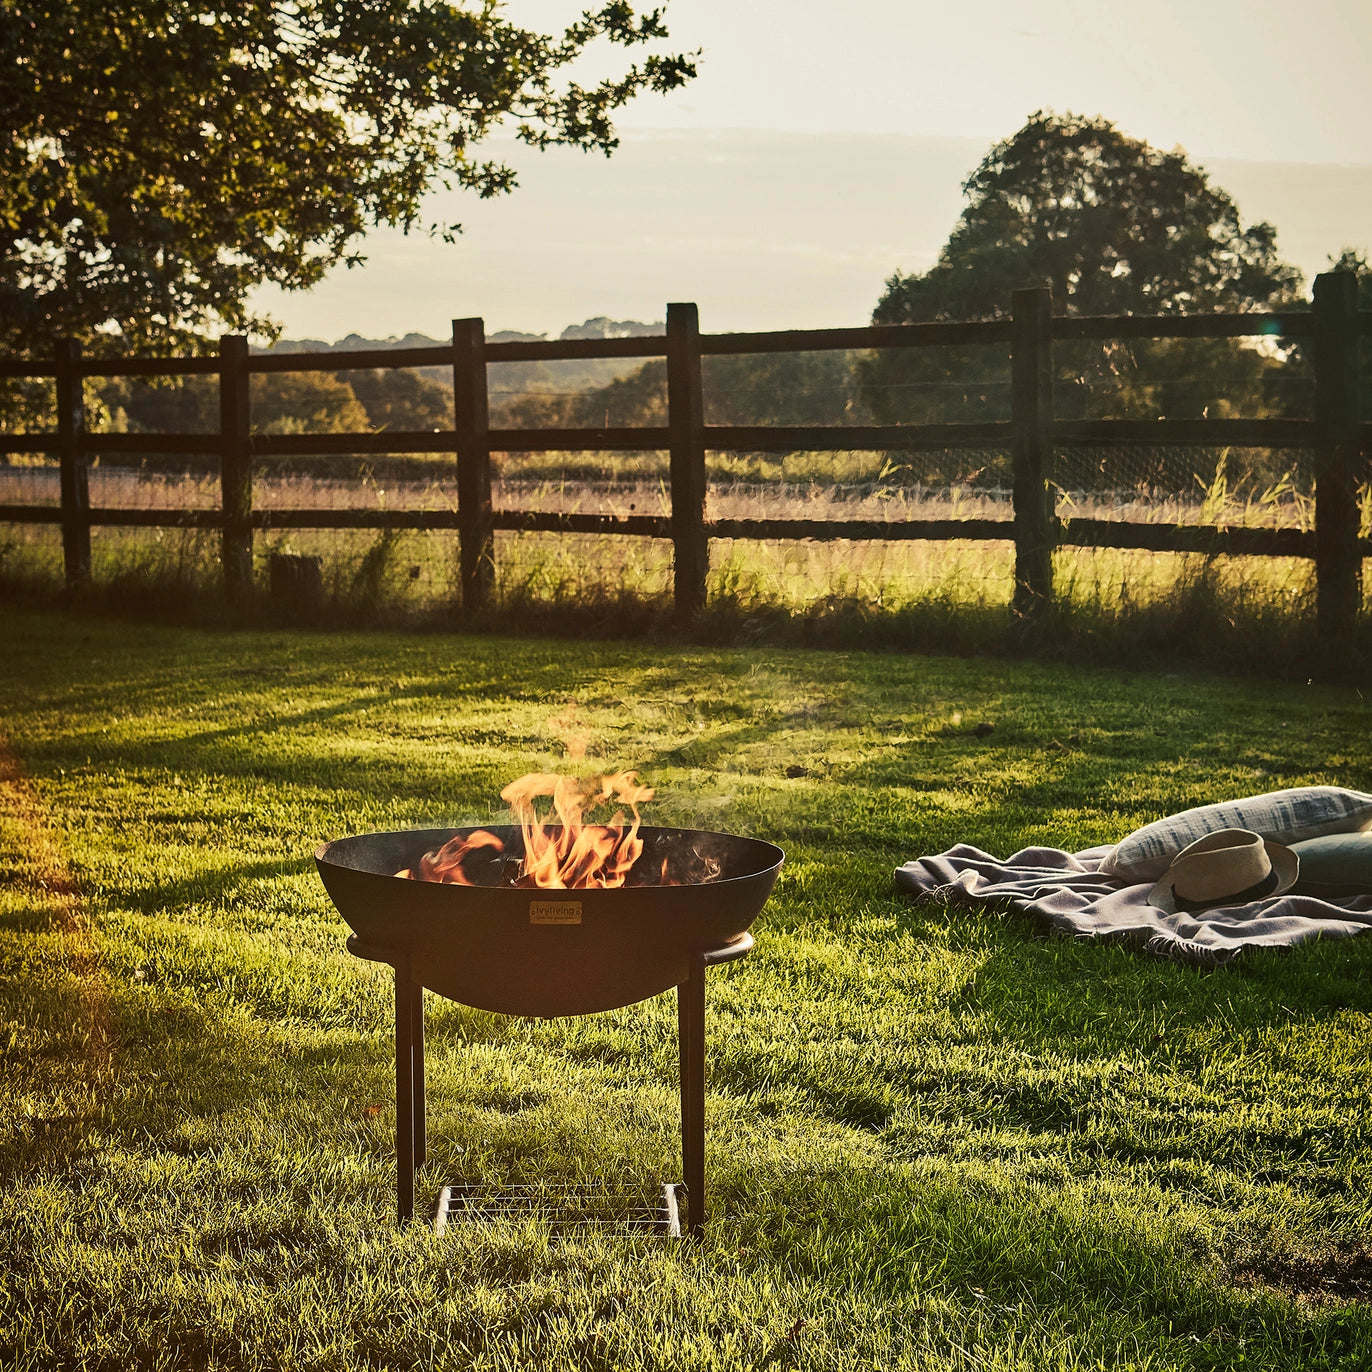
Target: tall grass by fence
(1338, 434)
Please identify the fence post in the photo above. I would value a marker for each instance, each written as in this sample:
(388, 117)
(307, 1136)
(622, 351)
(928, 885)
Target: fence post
(75, 489)
(1031, 401)
(235, 469)
(471, 420)
(1338, 558)
(686, 425)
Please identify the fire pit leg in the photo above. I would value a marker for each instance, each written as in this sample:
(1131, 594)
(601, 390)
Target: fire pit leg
(404, 1097)
(411, 1135)
(421, 1136)
(690, 1010)
(690, 1024)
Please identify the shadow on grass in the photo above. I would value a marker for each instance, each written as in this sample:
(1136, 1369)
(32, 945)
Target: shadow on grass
(1122, 996)
(1005, 1245)
(160, 898)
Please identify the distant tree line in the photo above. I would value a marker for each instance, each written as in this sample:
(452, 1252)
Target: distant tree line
(353, 400)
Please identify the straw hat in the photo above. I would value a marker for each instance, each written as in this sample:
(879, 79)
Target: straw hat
(1230, 867)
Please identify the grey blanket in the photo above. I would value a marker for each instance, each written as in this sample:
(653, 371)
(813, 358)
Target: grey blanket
(1072, 894)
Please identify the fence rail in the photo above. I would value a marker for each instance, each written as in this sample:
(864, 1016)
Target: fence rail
(1339, 435)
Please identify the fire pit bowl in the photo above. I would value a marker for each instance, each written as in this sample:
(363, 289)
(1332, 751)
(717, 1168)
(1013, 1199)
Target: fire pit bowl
(529, 951)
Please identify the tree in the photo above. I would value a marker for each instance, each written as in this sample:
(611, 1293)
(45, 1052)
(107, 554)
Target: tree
(282, 402)
(603, 327)
(747, 388)
(399, 398)
(1114, 227)
(1111, 224)
(1352, 260)
(166, 157)
(305, 403)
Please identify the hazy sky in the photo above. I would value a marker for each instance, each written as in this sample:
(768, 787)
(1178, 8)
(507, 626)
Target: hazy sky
(858, 123)
(1270, 80)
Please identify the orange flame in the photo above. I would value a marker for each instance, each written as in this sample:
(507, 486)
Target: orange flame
(577, 854)
(570, 854)
(445, 863)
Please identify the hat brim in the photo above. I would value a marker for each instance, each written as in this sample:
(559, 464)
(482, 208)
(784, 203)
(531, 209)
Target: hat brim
(1285, 869)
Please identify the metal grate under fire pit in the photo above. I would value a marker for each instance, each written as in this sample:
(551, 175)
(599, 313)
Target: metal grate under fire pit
(565, 1210)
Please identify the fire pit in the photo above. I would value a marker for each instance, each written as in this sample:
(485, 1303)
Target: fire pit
(489, 939)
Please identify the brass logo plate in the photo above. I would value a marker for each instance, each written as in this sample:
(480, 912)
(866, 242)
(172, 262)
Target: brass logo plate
(554, 912)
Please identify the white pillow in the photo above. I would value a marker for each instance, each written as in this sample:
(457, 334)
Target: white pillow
(1282, 816)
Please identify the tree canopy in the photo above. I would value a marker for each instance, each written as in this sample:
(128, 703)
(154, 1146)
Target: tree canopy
(166, 156)
(1113, 226)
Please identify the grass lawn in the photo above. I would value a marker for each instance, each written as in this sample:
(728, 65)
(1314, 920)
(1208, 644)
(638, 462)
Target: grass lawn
(936, 1139)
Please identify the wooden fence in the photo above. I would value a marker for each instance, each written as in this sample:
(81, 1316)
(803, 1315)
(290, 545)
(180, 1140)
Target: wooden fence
(1338, 435)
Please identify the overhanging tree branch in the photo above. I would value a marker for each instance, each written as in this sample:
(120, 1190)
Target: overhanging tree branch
(167, 157)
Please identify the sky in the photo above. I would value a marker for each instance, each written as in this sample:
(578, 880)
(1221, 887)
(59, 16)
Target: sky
(822, 147)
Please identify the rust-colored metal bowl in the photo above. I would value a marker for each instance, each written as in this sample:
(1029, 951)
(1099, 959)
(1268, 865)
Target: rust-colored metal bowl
(520, 951)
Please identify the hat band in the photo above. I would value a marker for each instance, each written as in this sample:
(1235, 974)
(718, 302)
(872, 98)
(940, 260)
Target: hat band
(1259, 888)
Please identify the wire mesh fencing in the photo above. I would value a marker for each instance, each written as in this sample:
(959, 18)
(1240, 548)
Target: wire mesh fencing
(1218, 486)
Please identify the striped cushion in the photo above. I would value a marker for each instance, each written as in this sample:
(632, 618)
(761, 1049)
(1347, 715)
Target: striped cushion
(1282, 816)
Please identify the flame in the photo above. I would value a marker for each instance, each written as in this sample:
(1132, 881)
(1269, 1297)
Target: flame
(445, 863)
(577, 854)
(568, 854)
